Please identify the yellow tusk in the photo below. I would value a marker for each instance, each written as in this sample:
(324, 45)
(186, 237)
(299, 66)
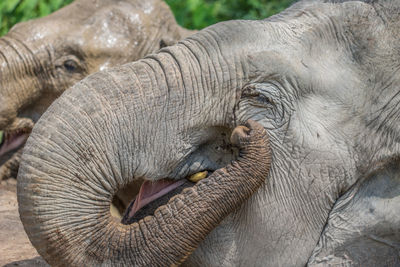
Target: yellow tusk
(198, 176)
(1, 136)
(114, 212)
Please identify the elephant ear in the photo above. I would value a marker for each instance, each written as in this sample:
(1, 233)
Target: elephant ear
(363, 227)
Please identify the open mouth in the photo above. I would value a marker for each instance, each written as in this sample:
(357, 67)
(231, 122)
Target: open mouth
(11, 140)
(153, 194)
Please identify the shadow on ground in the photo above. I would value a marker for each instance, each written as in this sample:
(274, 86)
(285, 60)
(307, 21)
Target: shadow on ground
(35, 262)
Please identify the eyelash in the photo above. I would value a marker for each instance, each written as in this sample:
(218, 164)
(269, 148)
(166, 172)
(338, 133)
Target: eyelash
(257, 96)
(264, 99)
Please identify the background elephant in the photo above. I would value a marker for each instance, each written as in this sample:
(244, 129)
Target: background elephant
(40, 59)
(322, 77)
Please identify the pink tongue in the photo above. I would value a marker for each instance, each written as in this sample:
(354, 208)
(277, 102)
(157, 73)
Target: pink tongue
(13, 143)
(150, 191)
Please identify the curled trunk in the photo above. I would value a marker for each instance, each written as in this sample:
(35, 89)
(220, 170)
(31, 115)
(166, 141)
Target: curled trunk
(166, 238)
(123, 124)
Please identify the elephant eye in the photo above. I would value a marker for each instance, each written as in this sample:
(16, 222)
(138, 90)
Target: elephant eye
(70, 65)
(264, 99)
(251, 92)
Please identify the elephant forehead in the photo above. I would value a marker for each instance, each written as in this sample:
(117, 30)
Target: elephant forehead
(115, 29)
(37, 31)
(106, 26)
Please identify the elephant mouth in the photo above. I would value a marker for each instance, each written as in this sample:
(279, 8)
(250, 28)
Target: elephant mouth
(13, 137)
(154, 194)
(12, 140)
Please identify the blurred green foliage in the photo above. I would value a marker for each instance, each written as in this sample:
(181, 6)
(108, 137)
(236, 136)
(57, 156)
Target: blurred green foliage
(14, 11)
(193, 14)
(197, 14)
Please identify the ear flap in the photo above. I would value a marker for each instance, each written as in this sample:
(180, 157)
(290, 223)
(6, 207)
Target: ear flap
(363, 228)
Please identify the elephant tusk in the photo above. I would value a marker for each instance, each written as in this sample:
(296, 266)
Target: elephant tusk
(198, 176)
(114, 212)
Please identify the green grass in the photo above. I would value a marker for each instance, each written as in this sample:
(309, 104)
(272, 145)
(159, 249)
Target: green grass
(192, 14)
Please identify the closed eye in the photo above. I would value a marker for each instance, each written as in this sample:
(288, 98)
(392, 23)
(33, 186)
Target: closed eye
(251, 93)
(264, 99)
(70, 65)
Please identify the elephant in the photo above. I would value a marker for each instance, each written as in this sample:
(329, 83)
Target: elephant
(41, 58)
(319, 80)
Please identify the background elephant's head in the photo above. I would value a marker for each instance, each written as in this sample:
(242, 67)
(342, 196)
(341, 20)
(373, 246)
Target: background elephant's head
(40, 59)
(323, 79)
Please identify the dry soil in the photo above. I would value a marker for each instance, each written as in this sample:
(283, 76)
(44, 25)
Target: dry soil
(15, 248)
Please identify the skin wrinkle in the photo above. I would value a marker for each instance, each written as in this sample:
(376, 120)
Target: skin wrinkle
(391, 111)
(154, 135)
(167, 99)
(202, 69)
(61, 118)
(202, 44)
(210, 39)
(96, 130)
(38, 70)
(11, 74)
(118, 88)
(165, 72)
(70, 161)
(193, 84)
(4, 57)
(14, 74)
(19, 55)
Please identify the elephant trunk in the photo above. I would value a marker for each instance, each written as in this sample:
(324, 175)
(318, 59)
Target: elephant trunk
(165, 239)
(19, 78)
(147, 119)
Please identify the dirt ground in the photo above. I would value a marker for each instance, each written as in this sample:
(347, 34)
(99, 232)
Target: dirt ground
(15, 248)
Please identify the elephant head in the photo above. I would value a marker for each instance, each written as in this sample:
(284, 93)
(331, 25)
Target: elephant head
(40, 59)
(321, 77)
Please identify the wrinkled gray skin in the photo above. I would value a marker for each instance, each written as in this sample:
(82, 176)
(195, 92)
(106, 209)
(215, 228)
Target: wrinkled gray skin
(322, 77)
(40, 59)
